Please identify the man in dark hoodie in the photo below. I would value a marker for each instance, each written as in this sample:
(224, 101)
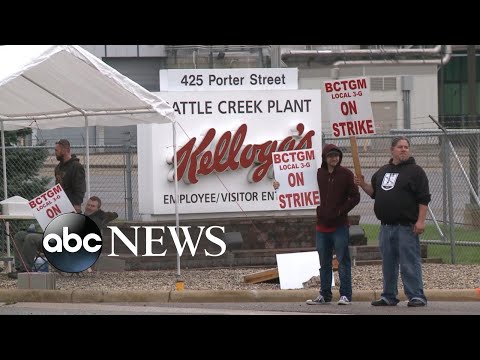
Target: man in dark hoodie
(100, 217)
(338, 195)
(70, 174)
(401, 194)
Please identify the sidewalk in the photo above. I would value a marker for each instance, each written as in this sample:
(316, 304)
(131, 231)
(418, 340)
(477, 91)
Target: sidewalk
(209, 296)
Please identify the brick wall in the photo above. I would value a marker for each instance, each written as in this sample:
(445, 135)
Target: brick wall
(262, 239)
(257, 233)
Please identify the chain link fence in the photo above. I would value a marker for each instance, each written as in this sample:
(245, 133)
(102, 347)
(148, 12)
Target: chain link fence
(450, 161)
(113, 177)
(451, 164)
(113, 174)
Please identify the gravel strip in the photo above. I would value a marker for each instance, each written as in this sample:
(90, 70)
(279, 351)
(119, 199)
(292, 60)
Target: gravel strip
(435, 276)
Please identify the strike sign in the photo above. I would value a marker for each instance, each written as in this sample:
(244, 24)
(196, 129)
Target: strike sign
(348, 107)
(296, 171)
(50, 204)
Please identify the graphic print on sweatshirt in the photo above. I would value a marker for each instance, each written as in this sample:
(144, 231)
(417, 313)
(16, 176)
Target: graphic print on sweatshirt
(389, 180)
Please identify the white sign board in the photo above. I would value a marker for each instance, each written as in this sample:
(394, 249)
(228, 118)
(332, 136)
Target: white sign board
(225, 142)
(296, 268)
(229, 79)
(348, 107)
(50, 204)
(296, 171)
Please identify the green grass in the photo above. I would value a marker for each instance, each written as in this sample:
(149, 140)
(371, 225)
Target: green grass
(463, 254)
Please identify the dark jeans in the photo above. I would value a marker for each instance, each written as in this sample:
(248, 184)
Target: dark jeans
(26, 246)
(400, 247)
(326, 242)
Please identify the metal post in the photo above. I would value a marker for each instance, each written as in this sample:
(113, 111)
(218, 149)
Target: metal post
(472, 116)
(87, 156)
(450, 202)
(210, 60)
(406, 110)
(260, 58)
(129, 180)
(5, 195)
(4, 163)
(441, 90)
(448, 170)
(7, 230)
(276, 56)
(445, 180)
(443, 138)
(473, 166)
(177, 220)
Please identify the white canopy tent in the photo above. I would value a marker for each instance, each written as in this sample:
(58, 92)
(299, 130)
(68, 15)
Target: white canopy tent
(55, 86)
(50, 87)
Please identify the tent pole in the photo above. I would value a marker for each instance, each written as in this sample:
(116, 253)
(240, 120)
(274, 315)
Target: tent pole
(87, 156)
(177, 221)
(4, 160)
(5, 193)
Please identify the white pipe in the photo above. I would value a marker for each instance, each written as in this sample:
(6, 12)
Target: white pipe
(377, 52)
(434, 50)
(444, 60)
(177, 220)
(216, 48)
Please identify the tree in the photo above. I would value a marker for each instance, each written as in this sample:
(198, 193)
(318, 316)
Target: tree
(23, 167)
(23, 175)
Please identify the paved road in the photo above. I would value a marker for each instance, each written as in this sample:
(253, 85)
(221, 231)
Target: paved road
(358, 308)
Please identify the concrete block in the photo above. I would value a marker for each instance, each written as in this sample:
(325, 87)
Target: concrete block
(37, 280)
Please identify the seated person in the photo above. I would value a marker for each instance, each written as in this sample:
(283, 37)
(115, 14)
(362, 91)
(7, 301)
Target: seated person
(93, 211)
(29, 242)
(27, 245)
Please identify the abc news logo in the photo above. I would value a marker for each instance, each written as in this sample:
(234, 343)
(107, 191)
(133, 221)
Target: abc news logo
(73, 242)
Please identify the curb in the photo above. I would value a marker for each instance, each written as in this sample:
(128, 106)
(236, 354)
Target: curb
(209, 296)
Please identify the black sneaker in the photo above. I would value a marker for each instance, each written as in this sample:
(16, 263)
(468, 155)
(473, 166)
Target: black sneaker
(416, 303)
(382, 302)
(319, 300)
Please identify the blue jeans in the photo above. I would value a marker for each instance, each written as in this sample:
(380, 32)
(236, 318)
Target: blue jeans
(326, 242)
(399, 245)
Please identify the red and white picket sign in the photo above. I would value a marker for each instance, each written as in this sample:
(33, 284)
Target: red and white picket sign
(50, 204)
